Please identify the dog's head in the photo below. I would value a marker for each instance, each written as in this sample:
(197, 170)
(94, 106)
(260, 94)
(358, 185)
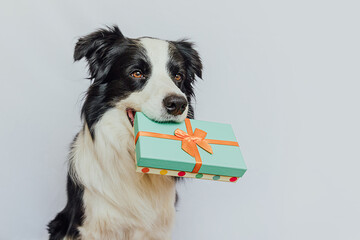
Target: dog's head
(146, 74)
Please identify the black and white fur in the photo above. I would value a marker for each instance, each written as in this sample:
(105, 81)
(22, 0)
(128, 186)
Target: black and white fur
(107, 199)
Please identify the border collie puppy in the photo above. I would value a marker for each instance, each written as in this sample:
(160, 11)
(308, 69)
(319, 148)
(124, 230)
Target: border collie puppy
(107, 199)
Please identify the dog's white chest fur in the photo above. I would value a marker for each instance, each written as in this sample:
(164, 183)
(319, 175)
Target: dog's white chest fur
(118, 202)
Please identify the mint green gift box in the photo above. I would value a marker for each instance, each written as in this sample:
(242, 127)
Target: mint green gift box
(166, 157)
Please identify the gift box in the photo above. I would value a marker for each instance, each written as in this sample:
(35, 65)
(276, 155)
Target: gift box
(193, 148)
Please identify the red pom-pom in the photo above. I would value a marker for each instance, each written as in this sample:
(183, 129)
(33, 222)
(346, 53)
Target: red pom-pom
(233, 179)
(145, 170)
(181, 173)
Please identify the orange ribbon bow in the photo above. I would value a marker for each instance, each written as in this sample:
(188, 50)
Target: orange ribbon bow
(189, 141)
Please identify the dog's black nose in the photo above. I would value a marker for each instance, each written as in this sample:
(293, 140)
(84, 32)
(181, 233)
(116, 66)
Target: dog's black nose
(175, 105)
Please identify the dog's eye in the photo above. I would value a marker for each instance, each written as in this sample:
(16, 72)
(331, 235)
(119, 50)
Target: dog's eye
(178, 77)
(137, 74)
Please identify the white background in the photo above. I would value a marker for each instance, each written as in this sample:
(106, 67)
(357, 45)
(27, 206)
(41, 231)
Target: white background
(285, 74)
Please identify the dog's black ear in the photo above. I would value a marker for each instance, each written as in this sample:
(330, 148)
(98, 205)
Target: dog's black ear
(98, 48)
(191, 56)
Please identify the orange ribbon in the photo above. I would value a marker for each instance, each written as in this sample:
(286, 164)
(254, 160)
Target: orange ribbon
(189, 141)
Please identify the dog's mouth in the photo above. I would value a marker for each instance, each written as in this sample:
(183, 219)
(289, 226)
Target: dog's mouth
(131, 115)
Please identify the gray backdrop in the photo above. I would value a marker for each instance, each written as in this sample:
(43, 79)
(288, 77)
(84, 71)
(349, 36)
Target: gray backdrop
(285, 74)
